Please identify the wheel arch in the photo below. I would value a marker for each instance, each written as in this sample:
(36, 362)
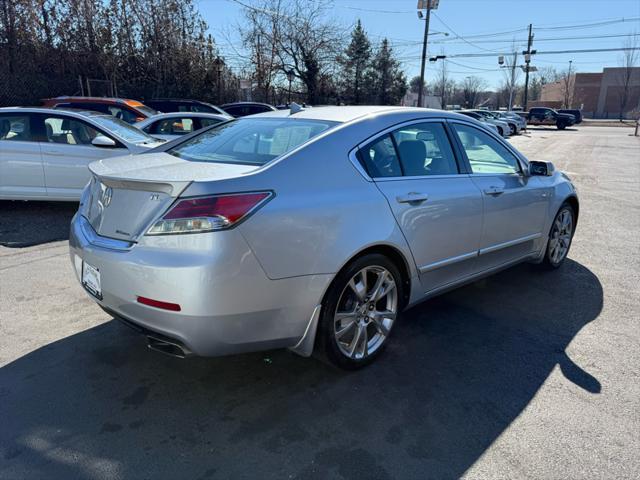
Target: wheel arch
(394, 254)
(575, 204)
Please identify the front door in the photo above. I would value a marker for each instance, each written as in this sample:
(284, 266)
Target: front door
(66, 153)
(514, 204)
(438, 209)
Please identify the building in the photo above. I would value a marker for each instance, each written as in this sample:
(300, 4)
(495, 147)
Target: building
(598, 95)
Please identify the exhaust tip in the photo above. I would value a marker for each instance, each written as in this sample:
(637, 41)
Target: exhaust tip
(168, 348)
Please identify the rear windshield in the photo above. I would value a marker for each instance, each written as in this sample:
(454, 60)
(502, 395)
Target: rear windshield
(251, 141)
(123, 129)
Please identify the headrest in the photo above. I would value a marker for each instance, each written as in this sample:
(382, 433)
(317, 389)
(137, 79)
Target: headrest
(412, 150)
(425, 136)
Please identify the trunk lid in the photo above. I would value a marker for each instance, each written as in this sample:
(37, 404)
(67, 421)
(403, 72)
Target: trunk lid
(128, 193)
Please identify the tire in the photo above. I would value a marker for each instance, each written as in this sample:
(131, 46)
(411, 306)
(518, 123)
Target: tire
(561, 125)
(501, 132)
(348, 337)
(512, 127)
(554, 259)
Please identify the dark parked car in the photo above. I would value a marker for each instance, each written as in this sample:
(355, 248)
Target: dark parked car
(168, 105)
(242, 109)
(576, 113)
(548, 116)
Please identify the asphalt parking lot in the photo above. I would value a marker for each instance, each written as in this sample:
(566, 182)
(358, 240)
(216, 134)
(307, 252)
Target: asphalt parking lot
(527, 374)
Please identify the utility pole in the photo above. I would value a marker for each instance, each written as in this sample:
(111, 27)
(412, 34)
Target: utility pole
(527, 60)
(429, 5)
(512, 84)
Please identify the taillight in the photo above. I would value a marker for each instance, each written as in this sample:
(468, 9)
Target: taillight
(206, 214)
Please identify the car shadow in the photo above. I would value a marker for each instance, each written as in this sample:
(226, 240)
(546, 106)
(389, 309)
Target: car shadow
(24, 224)
(460, 369)
(552, 129)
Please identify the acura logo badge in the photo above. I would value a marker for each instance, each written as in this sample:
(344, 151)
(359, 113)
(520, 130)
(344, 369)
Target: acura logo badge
(107, 193)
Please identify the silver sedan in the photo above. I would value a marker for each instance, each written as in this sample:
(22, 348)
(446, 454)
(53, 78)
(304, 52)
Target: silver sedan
(311, 229)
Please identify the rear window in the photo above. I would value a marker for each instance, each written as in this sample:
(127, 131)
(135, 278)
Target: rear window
(250, 141)
(123, 130)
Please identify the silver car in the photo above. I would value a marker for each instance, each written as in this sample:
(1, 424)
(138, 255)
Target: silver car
(169, 126)
(44, 153)
(311, 230)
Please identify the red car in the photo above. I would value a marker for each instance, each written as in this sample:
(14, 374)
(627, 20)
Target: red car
(131, 111)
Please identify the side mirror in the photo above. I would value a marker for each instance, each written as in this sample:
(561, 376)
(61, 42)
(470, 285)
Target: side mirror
(541, 169)
(102, 141)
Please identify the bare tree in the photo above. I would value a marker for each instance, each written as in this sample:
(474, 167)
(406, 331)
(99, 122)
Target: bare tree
(628, 61)
(293, 36)
(309, 44)
(471, 87)
(260, 35)
(443, 85)
(567, 82)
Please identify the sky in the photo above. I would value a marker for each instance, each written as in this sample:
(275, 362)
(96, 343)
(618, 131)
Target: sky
(486, 27)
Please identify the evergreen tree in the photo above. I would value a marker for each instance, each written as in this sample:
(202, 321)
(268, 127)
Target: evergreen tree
(354, 63)
(387, 81)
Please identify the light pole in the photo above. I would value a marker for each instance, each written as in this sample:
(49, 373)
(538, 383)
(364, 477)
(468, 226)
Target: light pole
(290, 75)
(425, 5)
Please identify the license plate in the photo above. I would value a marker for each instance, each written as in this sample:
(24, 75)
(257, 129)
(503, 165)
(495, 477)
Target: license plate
(91, 279)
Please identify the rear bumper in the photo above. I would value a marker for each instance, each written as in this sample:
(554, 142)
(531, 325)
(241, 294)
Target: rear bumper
(227, 303)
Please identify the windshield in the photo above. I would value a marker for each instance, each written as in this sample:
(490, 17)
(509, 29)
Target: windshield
(123, 130)
(251, 141)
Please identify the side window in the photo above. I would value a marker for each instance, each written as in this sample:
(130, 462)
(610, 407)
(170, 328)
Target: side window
(15, 128)
(68, 131)
(207, 122)
(122, 114)
(485, 153)
(379, 158)
(202, 109)
(234, 111)
(257, 109)
(96, 107)
(173, 126)
(424, 149)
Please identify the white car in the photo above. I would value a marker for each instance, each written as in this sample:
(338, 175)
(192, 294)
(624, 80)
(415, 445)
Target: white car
(170, 126)
(485, 121)
(503, 126)
(44, 153)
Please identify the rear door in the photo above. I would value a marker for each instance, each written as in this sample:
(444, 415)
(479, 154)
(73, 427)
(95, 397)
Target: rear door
(436, 204)
(67, 151)
(21, 170)
(514, 204)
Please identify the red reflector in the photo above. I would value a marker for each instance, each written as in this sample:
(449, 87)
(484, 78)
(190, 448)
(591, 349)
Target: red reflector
(231, 207)
(174, 307)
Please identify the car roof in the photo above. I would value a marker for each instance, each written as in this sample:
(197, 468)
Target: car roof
(77, 111)
(127, 101)
(344, 114)
(177, 100)
(233, 104)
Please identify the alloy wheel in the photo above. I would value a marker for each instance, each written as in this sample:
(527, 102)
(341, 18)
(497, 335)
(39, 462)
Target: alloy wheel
(366, 311)
(561, 234)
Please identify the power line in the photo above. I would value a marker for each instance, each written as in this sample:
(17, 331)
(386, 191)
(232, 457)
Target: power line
(589, 25)
(553, 39)
(458, 36)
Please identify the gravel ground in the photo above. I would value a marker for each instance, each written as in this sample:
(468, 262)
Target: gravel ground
(522, 375)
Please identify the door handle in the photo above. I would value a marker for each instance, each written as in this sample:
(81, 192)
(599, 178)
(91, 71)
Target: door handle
(494, 191)
(412, 197)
